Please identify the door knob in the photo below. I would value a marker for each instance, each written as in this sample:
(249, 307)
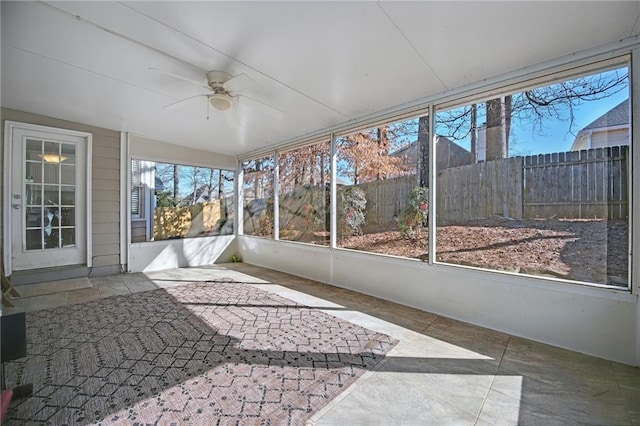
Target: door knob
(16, 206)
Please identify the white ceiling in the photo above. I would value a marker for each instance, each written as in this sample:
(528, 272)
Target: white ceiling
(322, 63)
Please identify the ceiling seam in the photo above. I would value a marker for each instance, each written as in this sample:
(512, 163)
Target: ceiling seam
(115, 33)
(232, 58)
(415, 50)
(86, 70)
(635, 24)
(139, 43)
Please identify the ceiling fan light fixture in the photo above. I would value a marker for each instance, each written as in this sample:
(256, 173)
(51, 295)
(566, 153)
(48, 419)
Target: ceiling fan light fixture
(220, 102)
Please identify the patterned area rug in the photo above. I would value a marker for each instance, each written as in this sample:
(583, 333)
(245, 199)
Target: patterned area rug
(202, 353)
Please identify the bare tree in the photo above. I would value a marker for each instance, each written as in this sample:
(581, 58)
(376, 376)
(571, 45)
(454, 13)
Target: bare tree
(258, 174)
(176, 181)
(423, 151)
(530, 107)
(305, 166)
(220, 184)
(498, 113)
(474, 133)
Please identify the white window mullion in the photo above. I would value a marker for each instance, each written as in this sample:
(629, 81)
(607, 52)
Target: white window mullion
(334, 194)
(634, 175)
(276, 196)
(239, 190)
(432, 185)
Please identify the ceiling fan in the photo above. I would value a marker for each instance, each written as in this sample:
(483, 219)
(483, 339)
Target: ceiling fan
(222, 96)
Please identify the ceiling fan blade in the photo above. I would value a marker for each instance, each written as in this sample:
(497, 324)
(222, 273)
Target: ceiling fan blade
(239, 82)
(232, 117)
(181, 77)
(262, 107)
(181, 102)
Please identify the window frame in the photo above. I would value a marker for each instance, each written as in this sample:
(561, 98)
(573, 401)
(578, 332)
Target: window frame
(138, 189)
(546, 73)
(142, 198)
(619, 61)
(241, 192)
(277, 189)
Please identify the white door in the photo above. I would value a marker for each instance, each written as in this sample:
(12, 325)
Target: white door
(48, 205)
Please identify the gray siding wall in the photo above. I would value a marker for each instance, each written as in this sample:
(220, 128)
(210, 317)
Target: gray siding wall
(138, 231)
(105, 183)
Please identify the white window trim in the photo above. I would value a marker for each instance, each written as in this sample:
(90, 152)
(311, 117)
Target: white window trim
(634, 182)
(125, 224)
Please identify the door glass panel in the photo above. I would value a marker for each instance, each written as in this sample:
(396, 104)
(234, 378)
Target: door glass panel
(68, 195)
(68, 174)
(34, 150)
(51, 227)
(32, 194)
(33, 217)
(68, 216)
(68, 237)
(34, 239)
(68, 154)
(51, 238)
(51, 152)
(52, 217)
(51, 195)
(51, 173)
(33, 172)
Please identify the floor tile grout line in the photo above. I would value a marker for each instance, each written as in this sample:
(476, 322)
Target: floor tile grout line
(543, 408)
(620, 389)
(537, 406)
(484, 400)
(504, 352)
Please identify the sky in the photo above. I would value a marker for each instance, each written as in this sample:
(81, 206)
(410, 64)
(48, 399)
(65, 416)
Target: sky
(558, 135)
(165, 172)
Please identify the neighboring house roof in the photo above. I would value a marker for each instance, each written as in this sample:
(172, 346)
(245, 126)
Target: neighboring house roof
(406, 151)
(159, 184)
(202, 195)
(616, 117)
(448, 153)
(340, 181)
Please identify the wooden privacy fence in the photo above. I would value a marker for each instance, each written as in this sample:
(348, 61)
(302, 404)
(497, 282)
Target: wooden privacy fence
(386, 198)
(190, 221)
(583, 184)
(577, 184)
(480, 190)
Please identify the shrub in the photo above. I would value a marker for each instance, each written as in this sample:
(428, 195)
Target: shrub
(265, 222)
(302, 210)
(415, 216)
(258, 217)
(352, 205)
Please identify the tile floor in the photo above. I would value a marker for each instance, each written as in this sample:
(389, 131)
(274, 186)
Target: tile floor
(441, 372)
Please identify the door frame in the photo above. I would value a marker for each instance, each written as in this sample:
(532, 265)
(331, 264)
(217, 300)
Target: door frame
(9, 128)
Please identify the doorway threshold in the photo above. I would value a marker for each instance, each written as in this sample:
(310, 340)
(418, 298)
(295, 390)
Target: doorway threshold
(43, 275)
